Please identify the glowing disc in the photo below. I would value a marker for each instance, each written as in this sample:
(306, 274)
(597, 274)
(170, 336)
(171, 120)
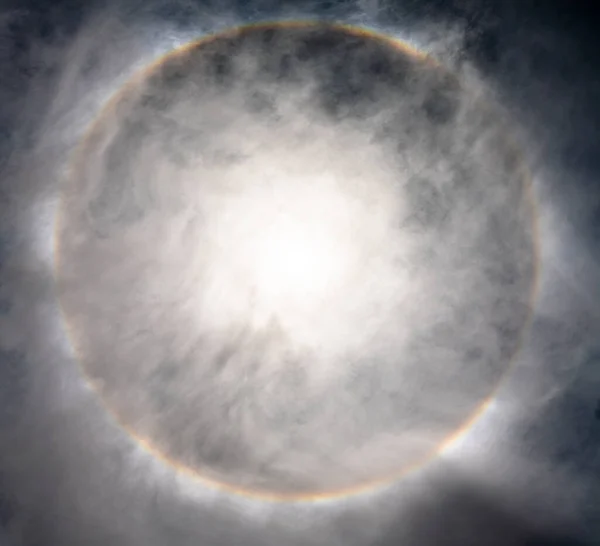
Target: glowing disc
(295, 259)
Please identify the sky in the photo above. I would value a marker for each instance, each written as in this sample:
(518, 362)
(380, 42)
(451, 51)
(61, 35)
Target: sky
(299, 284)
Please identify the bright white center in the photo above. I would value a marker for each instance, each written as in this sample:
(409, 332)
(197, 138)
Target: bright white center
(295, 259)
(309, 253)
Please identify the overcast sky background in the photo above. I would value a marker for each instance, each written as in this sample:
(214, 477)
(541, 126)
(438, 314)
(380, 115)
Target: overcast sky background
(530, 470)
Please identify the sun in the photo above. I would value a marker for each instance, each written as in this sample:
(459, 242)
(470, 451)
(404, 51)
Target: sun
(283, 251)
(297, 259)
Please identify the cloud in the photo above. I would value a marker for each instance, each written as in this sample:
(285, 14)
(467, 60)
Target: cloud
(79, 477)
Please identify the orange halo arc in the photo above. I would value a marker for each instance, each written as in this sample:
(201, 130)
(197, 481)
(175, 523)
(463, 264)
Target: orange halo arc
(266, 495)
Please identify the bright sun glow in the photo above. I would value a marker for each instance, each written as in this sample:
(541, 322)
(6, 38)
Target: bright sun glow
(296, 260)
(306, 252)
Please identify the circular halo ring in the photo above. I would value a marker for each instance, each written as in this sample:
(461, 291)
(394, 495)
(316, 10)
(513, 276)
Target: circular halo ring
(267, 495)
